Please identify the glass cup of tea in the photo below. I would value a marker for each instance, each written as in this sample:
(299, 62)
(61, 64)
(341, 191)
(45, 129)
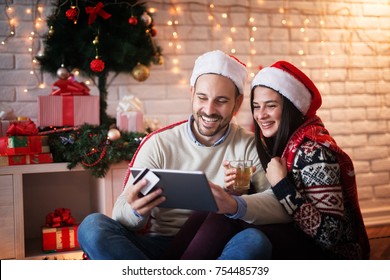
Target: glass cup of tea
(243, 175)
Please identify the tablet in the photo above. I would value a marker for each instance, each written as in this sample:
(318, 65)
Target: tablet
(183, 189)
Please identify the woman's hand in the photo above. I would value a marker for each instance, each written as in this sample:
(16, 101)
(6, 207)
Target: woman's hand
(276, 170)
(225, 202)
(144, 204)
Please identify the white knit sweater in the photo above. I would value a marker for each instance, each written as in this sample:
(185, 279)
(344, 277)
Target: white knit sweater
(173, 149)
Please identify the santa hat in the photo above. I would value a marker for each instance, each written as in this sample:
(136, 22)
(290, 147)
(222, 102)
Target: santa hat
(293, 84)
(217, 62)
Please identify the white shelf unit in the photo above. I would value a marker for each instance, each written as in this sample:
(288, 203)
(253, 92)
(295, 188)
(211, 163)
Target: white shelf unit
(29, 192)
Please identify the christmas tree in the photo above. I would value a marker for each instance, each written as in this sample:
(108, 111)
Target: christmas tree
(98, 37)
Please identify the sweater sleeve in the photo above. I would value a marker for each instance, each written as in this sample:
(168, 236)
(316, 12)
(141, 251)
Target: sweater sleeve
(312, 195)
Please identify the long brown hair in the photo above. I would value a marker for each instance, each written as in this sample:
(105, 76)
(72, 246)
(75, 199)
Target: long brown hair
(268, 148)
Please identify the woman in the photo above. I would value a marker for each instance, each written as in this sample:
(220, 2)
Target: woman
(310, 175)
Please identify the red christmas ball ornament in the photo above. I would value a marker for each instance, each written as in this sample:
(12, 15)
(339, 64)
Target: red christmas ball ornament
(153, 31)
(72, 14)
(133, 20)
(97, 65)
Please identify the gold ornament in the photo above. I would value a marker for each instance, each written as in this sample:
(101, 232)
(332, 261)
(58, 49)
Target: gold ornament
(140, 72)
(158, 59)
(96, 40)
(51, 31)
(113, 134)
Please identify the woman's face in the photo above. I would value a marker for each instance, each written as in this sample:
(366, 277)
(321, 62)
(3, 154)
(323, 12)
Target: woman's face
(267, 110)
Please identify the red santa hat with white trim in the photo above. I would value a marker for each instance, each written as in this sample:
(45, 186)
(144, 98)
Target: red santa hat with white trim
(293, 84)
(217, 62)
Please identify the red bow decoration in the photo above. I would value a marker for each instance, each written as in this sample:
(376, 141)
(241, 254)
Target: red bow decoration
(69, 87)
(94, 11)
(60, 217)
(22, 128)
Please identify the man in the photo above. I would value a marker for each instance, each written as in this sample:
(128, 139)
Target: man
(140, 229)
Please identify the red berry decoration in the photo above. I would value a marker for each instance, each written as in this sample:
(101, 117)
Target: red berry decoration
(133, 20)
(72, 14)
(97, 65)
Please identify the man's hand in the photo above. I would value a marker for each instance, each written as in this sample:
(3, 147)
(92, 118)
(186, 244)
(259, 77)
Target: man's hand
(144, 204)
(230, 176)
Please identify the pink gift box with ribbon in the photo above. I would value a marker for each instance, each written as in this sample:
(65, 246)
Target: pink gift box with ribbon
(129, 115)
(68, 110)
(130, 121)
(69, 104)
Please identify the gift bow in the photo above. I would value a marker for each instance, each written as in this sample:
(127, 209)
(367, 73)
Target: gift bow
(69, 87)
(130, 103)
(22, 128)
(60, 217)
(97, 10)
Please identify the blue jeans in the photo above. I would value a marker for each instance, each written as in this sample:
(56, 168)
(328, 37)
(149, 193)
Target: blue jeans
(249, 244)
(102, 238)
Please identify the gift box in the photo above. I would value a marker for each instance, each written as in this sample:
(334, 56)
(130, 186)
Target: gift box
(129, 116)
(58, 239)
(130, 121)
(26, 159)
(60, 231)
(4, 125)
(23, 145)
(68, 110)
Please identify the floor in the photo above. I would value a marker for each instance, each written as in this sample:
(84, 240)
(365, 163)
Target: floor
(379, 237)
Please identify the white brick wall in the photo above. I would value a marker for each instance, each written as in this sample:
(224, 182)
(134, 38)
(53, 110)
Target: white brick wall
(351, 67)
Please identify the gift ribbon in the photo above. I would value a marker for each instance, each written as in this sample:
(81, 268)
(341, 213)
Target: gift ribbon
(22, 128)
(60, 217)
(69, 87)
(67, 110)
(97, 10)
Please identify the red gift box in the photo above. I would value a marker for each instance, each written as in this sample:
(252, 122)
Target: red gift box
(68, 110)
(4, 125)
(58, 239)
(23, 145)
(26, 159)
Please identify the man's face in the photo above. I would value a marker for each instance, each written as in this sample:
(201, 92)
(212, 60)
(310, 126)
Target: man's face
(214, 103)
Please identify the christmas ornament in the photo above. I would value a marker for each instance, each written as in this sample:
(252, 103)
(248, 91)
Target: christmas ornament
(51, 31)
(146, 19)
(95, 11)
(97, 65)
(133, 20)
(113, 134)
(73, 14)
(96, 40)
(63, 73)
(140, 72)
(153, 31)
(158, 59)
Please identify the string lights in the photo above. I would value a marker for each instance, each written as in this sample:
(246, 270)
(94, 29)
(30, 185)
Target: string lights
(246, 30)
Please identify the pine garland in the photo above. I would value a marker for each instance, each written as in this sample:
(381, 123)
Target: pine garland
(90, 147)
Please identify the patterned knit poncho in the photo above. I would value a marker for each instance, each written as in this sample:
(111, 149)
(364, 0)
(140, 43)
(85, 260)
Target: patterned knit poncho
(320, 192)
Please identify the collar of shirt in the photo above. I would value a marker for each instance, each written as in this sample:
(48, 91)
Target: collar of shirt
(192, 136)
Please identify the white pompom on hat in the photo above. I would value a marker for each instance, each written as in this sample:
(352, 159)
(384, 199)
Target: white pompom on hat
(217, 62)
(293, 84)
